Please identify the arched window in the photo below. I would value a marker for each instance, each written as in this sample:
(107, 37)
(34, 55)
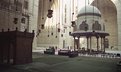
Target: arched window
(106, 43)
(96, 26)
(83, 26)
(103, 27)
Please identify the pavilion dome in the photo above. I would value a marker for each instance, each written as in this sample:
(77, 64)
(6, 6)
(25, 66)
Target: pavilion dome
(89, 10)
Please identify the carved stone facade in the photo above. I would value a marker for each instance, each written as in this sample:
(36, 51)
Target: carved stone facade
(64, 12)
(83, 26)
(22, 14)
(96, 26)
(110, 11)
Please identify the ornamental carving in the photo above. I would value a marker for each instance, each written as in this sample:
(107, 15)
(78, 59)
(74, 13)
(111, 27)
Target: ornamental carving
(96, 26)
(83, 26)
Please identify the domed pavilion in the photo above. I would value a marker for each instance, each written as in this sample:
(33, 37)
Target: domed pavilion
(89, 24)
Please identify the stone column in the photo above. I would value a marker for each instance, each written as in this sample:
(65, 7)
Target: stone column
(101, 44)
(104, 44)
(87, 42)
(97, 43)
(74, 43)
(90, 43)
(78, 44)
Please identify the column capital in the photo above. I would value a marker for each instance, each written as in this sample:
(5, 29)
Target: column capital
(87, 36)
(97, 37)
(102, 36)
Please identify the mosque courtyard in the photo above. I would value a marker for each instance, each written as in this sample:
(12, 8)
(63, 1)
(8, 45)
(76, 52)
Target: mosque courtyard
(90, 28)
(55, 63)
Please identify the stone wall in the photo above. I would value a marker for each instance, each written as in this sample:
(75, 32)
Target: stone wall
(118, 5)
(11, 14)
(111, 16)
(52, 24)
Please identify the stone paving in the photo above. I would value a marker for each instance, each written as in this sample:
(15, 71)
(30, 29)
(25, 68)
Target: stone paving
(109, 54)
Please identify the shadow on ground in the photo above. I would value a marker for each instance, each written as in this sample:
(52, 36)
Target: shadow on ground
(52, 63)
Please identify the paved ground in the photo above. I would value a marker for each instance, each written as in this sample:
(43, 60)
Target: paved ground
(54, 63)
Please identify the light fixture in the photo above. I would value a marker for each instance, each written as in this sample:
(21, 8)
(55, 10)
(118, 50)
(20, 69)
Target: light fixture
(42, 26)
(73, 23)
(56, 36)
(50, 12)
(69, 33)
(58, 29)
(15, 21)
(61, 35)
(52, 33)
(48, 35)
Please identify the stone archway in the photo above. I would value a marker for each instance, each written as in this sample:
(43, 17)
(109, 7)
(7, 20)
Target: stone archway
(109, 16)
(47, 34)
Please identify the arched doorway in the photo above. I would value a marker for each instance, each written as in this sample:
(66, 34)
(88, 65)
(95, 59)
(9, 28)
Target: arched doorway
(47, 27)
(109, 16)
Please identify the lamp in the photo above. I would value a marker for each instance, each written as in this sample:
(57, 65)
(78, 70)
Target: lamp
(73, 23)
(50, 12)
